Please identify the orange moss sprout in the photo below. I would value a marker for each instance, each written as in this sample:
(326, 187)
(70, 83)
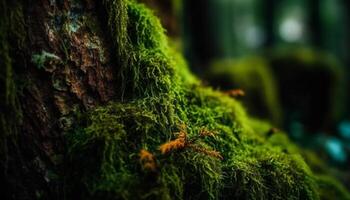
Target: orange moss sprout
(182, 142)
(235, 93)
(179, 143)
(147, 160)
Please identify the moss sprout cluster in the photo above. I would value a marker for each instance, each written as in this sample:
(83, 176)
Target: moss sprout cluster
(160, 99)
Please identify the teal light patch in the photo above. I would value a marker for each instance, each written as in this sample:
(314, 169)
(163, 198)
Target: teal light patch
(344, 129)
(336, 150)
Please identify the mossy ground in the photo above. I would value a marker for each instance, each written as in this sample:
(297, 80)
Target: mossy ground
(159, 99)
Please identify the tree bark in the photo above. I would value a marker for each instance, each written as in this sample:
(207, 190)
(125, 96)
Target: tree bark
(59, 59)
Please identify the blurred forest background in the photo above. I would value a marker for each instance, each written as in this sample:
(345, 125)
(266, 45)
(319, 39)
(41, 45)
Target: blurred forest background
(290, 57)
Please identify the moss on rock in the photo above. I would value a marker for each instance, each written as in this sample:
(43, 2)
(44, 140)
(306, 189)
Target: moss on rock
(165, 104)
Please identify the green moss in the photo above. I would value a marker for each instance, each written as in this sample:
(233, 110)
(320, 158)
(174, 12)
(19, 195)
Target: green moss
(162, 97)
(144, 29)
(117, 22)
(253, 76)
(251, 168)
(141, 43)
(328, 186)
(267, 173)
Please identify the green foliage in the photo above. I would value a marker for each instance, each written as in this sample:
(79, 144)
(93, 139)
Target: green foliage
(161, 96)
(255, 78)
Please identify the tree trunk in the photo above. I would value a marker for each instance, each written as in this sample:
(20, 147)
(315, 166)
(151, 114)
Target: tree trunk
(55, 61)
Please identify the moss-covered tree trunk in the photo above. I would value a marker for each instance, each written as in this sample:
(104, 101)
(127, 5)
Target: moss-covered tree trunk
(55, 60)
(96, 105)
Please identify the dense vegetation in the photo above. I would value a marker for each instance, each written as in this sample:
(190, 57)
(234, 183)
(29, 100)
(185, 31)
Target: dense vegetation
(171, 138)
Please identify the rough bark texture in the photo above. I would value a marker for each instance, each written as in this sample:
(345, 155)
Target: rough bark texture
(61, 58)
